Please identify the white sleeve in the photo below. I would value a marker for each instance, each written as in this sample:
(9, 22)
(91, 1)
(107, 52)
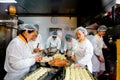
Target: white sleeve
(48, 43)
(17, 61)
(41, 46)
(24, 63)
(88, 55)
(59, 43)
(95, 45)
(65, 46)
(74, 46)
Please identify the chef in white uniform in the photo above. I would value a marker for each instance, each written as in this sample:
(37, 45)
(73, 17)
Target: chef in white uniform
(98, 58)
(84, 52)
(19, 57)
(53, 44)
(70, 45)
(37, 44)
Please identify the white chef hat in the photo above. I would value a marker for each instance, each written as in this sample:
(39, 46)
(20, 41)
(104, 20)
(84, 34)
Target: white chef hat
(54, 33)
(37, 26)
(68, 37)
(82, 29)
(26, 27)
(102, 28)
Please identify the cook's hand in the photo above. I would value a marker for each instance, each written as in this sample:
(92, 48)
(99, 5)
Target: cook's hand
(73, 58)
(77, 65)
(64, 53)
(42, 50)
(69, 55)
(48, 50)
(56, 51)
(108, 49)
(36, 50)
(101, 59)
(38, 58)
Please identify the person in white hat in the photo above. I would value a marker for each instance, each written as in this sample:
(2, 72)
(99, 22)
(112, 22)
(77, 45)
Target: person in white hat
(98, 58)
(53, 44)
(37, 44)
(84, 52)
(19, 57)
(70, 45)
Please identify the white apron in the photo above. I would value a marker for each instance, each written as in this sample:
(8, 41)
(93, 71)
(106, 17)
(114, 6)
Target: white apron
(84, 54)
(98, 44)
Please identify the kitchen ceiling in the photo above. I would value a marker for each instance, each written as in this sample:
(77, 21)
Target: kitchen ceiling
(59, 7)
(46, 6)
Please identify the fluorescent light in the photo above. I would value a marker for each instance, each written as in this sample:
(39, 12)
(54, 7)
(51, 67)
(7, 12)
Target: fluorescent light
(8, 1)
(118, 1)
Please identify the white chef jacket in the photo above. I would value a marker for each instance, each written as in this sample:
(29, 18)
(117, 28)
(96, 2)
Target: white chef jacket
(51, 43)
(70, 46)
(18, 60)
(84, 54)
(98, 44)
(33, 44)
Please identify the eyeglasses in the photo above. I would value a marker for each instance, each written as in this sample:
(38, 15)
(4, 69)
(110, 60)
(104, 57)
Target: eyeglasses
(54, 36)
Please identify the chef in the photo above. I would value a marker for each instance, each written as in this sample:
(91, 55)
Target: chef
(53, 44)
(19, 57)
(98, 58)
(37, 44)
(84, 52)
(70, 45)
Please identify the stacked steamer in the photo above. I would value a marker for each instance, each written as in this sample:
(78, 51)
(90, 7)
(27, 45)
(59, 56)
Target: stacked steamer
(57, 60)
(73, 73)
(37, 74)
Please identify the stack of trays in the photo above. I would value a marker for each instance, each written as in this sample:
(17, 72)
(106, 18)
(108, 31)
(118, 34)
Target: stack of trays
(40, 74)
(77, 74)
